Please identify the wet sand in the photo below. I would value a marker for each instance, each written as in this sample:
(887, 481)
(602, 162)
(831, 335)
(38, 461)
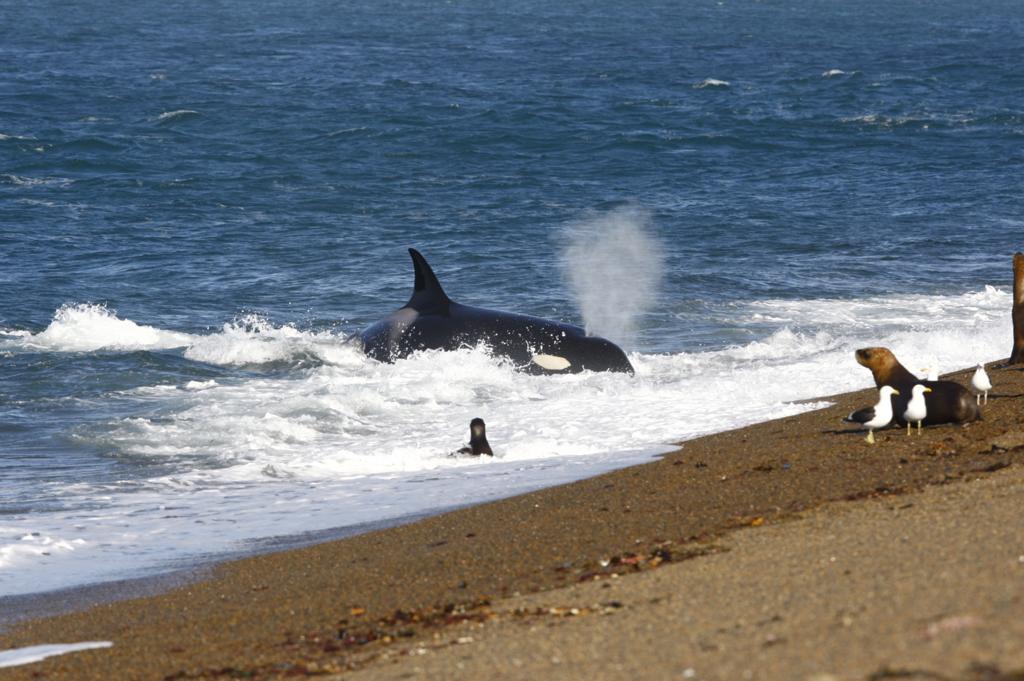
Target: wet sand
(708, 563)
(15, 609)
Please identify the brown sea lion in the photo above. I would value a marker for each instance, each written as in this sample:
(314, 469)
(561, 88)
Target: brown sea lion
(948, 402)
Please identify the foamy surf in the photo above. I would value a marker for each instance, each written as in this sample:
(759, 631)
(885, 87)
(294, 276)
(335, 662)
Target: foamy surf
(169, 117)
(252, 339)
(345, 440)
(33, 545)
(24, 181)
(712, 83)
(88, 328)
(16, 657)
(247, 340)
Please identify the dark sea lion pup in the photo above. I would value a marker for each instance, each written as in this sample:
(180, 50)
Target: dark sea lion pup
(948, 402)
(477, 439)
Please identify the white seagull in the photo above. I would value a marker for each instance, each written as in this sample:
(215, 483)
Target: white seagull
(917, 410)
(878, 416)
(931, 373)
(980, 383)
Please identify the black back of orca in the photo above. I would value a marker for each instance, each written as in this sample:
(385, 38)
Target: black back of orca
(432, 321)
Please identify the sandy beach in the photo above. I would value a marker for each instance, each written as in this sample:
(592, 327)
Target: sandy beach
(786, 550)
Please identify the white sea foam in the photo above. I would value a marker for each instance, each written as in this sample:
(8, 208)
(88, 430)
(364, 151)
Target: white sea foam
(879, 120)
(199, 385)
(254, 340)
(177, 115)
(34, 548)
(23, 181)
(248, 340)
(347, 440)
(832, 73)
(19, 656)
(920, 120)
(87, 328)
(712, 83)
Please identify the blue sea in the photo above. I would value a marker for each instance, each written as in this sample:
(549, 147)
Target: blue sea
(200, 203)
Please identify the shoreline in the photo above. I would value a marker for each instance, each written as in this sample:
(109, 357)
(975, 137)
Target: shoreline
(257, 613)
(17, 608)
(70, 599)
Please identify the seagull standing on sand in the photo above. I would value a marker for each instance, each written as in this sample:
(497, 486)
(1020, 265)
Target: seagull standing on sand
(878, 416)
(917, 410)
(980, 383)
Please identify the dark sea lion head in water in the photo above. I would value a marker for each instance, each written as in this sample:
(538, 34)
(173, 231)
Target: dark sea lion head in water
(948, 401)
(433, 321)
(477, 439)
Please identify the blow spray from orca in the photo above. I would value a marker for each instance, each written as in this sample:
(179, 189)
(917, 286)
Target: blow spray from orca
(613, 263)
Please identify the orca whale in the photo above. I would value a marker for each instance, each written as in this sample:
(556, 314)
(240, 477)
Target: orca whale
(432, 321)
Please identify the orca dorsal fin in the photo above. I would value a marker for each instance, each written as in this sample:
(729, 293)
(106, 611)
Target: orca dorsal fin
(427, 294)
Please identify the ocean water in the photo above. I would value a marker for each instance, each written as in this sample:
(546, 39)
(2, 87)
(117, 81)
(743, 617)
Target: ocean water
(200, 203)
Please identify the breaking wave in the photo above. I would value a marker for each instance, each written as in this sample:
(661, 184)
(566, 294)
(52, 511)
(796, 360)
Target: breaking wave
(712, 83)
(348, 440)
(169, 117)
